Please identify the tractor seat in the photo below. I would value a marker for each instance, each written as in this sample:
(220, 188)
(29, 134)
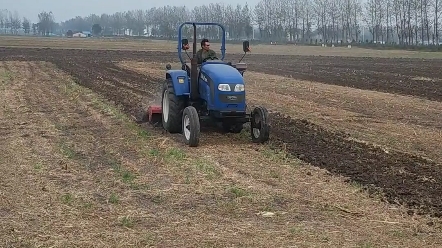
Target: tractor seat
(187, 67)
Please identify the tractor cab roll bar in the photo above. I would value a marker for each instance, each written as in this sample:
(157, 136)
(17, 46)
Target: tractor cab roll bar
(181, 41)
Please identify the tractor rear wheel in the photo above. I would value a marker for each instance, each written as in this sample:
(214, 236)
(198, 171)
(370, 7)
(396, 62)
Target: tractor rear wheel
(191, 126)
(259, 125)
(172, 108)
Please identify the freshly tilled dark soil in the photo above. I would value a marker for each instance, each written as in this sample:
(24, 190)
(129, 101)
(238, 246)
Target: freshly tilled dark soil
(391, 75)
(403, 178)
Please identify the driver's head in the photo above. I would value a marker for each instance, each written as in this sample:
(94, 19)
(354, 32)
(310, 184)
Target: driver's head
(205, 45)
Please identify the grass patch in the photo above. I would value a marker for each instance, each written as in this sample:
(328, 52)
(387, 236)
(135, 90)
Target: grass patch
(109, 110)
(274, 174)
(60, 127)
(5, 75)
(158, 199)
(188, 176)
(143, 133)
(67, 151)
(150, 238)
(87, 205)
(114, 199)
(127, 221)
(245, 132)
(72, 90)
(67, 199)
(126, 175)
(38, 166)
(238, 192)
(296, 230)
(153, 152)
(365, 244)
(398, 234)
(174, 154)
(5, 78)
(207, 168)
(8, 112)
(275, 155)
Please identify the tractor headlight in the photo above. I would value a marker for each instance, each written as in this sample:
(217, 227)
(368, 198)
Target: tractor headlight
(181, 80)
(224, 87)
(239, 87)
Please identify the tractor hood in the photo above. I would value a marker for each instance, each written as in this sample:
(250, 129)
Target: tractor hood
(222, 73)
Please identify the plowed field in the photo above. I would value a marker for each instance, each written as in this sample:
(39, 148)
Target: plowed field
(375, 121)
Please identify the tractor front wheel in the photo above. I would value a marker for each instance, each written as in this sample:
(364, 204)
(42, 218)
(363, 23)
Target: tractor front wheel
(259, 125)
(172, 108)
(191, 126)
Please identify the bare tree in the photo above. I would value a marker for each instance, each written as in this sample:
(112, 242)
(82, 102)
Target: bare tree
(3, 20)
(46, 23)
(404, 21)
(437, 8)
(26, 25)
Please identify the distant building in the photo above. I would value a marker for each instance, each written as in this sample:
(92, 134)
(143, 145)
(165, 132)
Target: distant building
(79, 35)
(82, 34)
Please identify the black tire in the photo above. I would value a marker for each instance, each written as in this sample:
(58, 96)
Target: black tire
(176, 107)
(259, 125)
(191, 132)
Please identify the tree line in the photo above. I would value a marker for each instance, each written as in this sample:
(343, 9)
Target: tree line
(12, 23)
(405, 22)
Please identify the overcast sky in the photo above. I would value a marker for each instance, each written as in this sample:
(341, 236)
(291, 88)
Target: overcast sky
(66, 9)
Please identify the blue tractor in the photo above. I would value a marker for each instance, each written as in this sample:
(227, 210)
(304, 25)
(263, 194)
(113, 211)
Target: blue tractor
(213, 90)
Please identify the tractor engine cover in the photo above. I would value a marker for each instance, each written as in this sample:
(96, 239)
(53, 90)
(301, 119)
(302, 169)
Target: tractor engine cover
(218, 98)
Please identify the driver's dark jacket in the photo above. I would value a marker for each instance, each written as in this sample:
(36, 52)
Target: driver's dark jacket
(203, 54)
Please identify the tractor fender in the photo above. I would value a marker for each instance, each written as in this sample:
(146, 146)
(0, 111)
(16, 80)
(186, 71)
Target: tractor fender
(180, 81)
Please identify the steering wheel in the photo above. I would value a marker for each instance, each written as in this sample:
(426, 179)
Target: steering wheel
(211, 58)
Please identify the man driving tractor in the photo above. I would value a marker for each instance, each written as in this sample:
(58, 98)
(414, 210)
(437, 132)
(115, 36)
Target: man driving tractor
(205, 51)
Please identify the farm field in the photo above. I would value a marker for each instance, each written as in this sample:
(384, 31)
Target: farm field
(127, 44)
(354, 158)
